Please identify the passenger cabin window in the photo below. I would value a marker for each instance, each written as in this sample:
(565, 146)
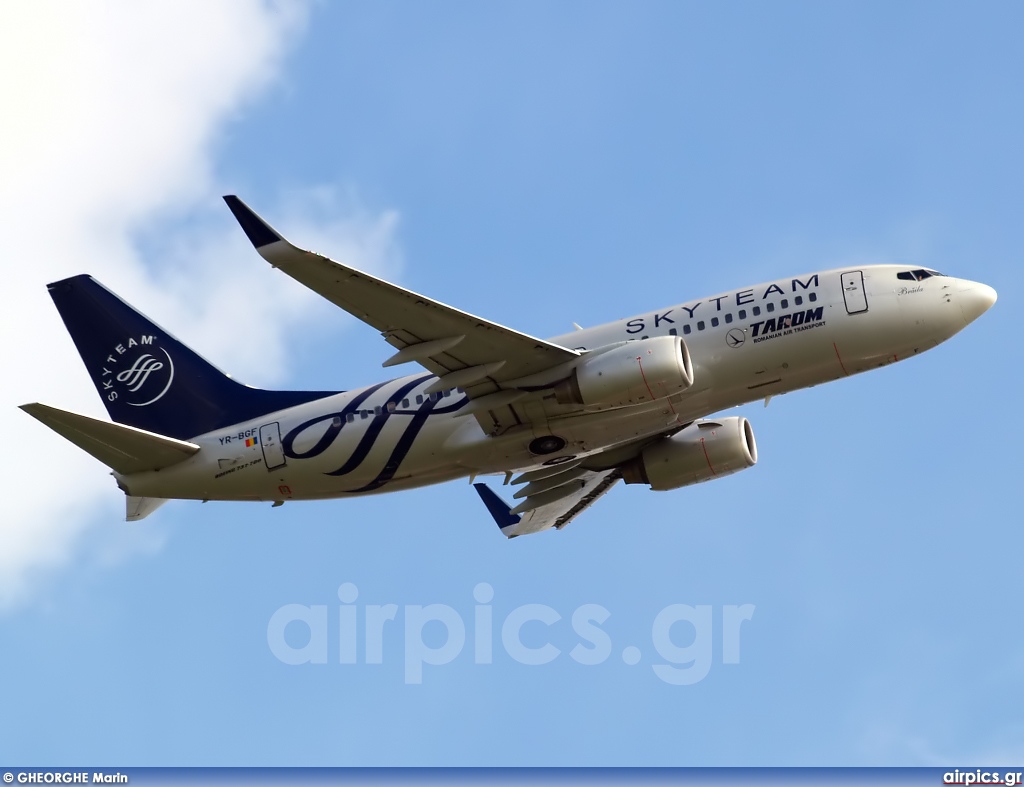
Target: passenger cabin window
(784, 304)
(743, 314)
(714, 322)
(728, 318)
(770, 307)
(700, 325)
(757, 311)
(798, 300)
(687, 329)
(812, 297)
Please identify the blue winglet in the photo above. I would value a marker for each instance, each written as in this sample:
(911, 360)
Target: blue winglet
(499, 508)
(255, 228)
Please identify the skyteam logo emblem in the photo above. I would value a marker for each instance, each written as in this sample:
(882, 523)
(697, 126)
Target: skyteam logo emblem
(137, 372)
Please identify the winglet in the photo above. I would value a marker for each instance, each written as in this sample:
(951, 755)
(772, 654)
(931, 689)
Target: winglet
(255, 228)
(499, 509)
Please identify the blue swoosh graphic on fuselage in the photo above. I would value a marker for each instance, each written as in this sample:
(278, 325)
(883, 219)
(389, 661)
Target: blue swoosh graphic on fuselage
(339, 419)
(331, 433)
(405, 442)
(374, 429)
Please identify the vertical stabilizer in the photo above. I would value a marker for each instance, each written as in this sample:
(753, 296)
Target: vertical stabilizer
(146, 377)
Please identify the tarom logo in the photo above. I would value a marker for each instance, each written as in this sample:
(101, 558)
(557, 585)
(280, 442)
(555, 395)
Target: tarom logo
(137, 372)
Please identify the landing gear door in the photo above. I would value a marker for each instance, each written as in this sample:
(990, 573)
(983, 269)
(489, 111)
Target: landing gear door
(853, 292)
(270, 440)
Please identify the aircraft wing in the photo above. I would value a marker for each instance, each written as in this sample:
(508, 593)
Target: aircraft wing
(570, 499)
(465, 351)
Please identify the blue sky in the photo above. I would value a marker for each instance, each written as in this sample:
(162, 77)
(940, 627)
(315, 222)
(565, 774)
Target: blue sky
(541, 164)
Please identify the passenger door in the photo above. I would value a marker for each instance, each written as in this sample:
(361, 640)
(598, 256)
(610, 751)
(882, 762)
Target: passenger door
(853, 292)
(270, 440)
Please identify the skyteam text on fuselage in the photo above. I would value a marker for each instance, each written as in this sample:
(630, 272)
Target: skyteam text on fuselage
(562, 419)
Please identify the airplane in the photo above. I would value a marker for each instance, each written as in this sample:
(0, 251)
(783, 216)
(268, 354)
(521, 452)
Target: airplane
(562, 419)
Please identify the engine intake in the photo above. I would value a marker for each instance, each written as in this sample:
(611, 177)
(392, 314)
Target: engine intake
(702, 451)
(631, 373)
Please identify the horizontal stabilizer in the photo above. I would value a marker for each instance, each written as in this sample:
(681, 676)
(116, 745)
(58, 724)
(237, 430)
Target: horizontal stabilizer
(137, 508)
(124, 449)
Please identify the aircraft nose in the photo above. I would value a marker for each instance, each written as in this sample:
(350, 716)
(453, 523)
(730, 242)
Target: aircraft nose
(975, 299)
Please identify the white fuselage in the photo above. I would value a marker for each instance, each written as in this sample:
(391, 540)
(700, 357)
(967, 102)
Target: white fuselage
(746, 344)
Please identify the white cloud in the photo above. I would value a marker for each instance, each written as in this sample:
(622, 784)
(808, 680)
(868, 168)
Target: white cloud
(111, 112)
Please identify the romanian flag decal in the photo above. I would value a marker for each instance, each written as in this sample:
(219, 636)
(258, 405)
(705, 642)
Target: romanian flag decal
(251, 442)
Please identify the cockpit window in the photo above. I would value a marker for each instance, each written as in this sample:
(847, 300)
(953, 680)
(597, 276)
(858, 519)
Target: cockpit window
(919, 275)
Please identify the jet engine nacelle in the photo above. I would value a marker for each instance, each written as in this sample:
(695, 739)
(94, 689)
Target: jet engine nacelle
(630, 373)
(700, 452)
